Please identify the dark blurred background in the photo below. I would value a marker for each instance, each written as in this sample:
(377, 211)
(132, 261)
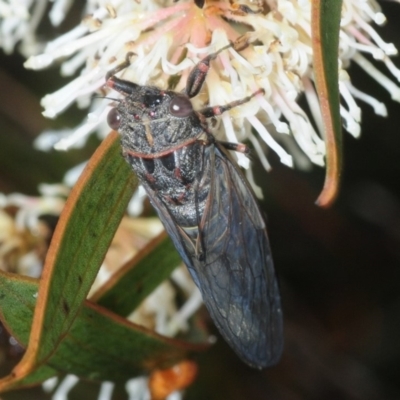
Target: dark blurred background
(339, 268)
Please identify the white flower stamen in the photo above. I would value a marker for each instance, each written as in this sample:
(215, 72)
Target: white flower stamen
(352, 126)
(382, 79)
(64, 388)
(59, 10)
(106, 390)
(313, 103)
(378, 106)
(260, 152)
(266, 136)
(354, 110)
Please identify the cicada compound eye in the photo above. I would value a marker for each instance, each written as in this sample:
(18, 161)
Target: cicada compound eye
(114, 119)
(180, 106)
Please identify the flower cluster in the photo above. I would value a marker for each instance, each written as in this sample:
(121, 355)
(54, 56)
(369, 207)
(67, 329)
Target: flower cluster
(27, 224)
(169, 38)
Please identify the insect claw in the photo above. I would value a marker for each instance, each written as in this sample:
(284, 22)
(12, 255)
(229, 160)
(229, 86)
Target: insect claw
(243, 41)
(238, 147)
(120, 67)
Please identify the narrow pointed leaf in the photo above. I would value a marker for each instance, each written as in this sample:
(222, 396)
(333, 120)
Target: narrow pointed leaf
(325, 23)
(99, 346)
(83, 234)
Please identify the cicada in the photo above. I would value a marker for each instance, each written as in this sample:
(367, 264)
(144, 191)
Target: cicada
(206, 206)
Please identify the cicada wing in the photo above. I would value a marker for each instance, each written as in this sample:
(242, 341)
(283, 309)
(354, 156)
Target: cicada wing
(235, 272)
(237, 277)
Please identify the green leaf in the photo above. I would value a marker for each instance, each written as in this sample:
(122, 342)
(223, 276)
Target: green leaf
(85, 229)
(139, 277)
(82, 237)
(100, 345)
(325, 23)
(17, 303)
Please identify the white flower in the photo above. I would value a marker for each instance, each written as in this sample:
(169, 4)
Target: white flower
(159, 311)
(136, 388)
(169, 38)
(19, 20)
(23, 235)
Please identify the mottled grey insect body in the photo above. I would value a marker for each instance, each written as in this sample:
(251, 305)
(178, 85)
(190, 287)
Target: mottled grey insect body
(207, 208)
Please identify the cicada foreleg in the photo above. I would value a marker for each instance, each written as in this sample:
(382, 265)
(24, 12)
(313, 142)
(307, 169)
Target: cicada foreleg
(121, 66)
(239, 147)
(121, 85)
(212, 111)
(198, 74)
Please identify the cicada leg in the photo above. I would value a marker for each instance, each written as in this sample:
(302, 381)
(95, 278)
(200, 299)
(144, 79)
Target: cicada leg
(239, 147)
(198, 74)
(121, 85)
(120, 67)
(212, 111)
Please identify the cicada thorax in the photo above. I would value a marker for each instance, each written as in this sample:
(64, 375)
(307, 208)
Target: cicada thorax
(181, 179)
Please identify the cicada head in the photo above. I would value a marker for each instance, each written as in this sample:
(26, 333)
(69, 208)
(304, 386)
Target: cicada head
(151, 120)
